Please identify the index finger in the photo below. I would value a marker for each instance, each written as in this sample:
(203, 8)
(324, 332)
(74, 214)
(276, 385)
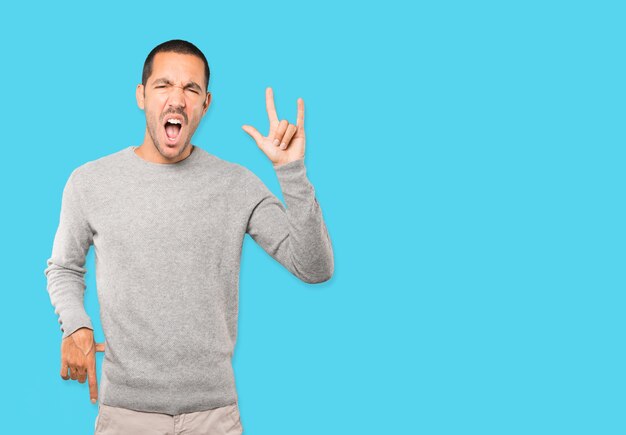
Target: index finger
(93, 382)
(269, 104)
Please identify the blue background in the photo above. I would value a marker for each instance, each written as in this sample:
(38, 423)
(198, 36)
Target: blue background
(469, 161)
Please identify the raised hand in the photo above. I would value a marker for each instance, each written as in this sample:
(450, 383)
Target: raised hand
(285, 142)
(78, 354)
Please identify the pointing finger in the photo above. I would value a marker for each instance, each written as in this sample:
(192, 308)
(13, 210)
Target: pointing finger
(93, 382)
(269, 103)
(100, 347)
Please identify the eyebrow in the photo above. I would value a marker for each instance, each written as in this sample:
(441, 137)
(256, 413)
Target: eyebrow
(190, 84)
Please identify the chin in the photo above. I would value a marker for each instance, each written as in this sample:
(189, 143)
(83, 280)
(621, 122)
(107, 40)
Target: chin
(172, 150)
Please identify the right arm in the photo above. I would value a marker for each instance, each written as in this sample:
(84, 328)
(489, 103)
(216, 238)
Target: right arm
(65, 270)
(66, 286)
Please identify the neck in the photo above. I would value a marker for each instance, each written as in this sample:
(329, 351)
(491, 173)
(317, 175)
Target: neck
(149, 152)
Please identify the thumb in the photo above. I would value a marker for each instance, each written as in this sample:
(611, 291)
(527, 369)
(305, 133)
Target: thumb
(254, 133)
(100, 347)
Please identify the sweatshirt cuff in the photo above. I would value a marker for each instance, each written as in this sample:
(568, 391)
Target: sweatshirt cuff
(291, 171)
(298, 192)
(73, 322)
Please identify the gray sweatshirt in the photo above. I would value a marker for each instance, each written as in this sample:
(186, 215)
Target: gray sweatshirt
(167, 241)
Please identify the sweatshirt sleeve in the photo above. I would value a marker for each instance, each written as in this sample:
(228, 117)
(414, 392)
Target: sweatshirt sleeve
(295, 236)
(65, 269)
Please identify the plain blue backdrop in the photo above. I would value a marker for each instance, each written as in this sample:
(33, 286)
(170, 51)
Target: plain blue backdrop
(469, 161)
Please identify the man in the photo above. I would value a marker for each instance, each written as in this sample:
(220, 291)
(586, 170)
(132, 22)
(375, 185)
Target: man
(167, 220)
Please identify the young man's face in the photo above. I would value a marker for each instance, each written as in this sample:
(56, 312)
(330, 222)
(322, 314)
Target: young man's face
(174, 100)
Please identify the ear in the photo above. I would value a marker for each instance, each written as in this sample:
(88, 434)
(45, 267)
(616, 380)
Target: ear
(206, 103)
(140, 97)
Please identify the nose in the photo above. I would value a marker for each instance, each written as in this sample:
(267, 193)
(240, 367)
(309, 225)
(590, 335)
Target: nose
(176, 97)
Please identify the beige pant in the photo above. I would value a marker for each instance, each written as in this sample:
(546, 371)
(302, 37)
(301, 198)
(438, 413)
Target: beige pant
(112, 420)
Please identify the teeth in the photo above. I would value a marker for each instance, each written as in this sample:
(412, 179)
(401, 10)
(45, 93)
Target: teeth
(173, 121)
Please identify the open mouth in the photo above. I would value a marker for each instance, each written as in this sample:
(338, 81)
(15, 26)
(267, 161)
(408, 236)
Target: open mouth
(173, 127)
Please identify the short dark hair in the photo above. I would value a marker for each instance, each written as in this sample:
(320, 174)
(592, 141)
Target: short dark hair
(175, 46)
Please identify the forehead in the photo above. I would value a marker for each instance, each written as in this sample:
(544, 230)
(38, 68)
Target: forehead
(178, 67)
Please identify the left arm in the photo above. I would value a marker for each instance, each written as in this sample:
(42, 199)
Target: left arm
(297, 236)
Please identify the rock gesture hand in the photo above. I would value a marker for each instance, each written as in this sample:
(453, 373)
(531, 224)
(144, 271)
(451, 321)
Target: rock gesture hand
(284, 142)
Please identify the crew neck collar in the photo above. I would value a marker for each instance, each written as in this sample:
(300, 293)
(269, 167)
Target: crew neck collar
(137, 160)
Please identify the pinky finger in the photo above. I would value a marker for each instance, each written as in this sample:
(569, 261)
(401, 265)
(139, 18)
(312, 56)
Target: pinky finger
(64, 368)
(300, 120)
